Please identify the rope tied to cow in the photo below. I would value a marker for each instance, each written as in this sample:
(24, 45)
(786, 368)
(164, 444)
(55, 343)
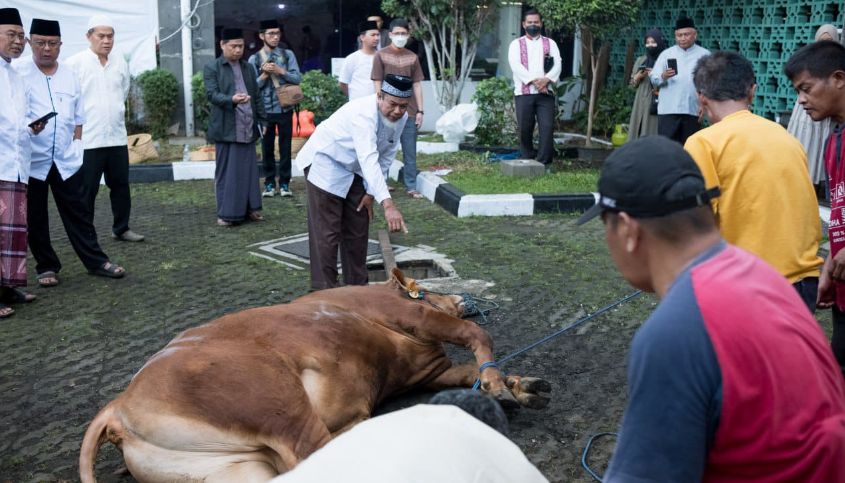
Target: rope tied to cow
(476, 306)
(472, 306)
(560, 332)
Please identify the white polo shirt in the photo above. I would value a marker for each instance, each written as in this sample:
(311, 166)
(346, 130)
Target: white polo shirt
(54, 93)
(104, 91)
(14, 132)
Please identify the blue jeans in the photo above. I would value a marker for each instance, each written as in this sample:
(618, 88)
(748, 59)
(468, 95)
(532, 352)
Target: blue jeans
(408, 139)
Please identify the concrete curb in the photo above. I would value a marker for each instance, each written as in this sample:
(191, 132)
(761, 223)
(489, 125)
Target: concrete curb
(460, 204)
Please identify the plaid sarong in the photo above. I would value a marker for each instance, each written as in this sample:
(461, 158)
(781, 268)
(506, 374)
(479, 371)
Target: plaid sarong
(12, 234)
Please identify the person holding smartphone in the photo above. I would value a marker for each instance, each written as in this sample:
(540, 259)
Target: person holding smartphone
(57, 158)
(678, 109)
(643, 120)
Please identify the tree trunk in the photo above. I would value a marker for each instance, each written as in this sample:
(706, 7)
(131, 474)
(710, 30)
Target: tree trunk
(594, 66)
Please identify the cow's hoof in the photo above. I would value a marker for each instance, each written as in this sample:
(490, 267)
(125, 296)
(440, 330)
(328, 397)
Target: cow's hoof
(506, 399)
(527, 391)
(534, 384)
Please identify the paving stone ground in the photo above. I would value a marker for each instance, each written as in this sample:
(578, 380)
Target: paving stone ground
(75, 348)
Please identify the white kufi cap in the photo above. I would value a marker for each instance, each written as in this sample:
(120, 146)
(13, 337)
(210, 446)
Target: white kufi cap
(100, 21)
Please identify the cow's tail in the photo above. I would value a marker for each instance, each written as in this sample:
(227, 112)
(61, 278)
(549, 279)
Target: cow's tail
(95, 436)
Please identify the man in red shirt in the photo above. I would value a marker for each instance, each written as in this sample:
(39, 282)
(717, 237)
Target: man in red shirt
(818, 73)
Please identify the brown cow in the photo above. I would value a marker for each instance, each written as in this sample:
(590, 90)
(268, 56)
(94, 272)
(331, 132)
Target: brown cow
(251, 394)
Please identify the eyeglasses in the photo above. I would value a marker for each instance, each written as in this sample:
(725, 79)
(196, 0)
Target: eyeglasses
(273, 34)
(15, 36)
(684, 34)
(43, 43)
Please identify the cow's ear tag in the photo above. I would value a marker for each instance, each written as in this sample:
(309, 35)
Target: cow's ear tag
(414, 294)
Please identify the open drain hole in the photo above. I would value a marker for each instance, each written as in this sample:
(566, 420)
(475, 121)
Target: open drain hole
(416, 269)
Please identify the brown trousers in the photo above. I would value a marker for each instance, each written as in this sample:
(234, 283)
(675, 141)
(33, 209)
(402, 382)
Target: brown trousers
(334, 222)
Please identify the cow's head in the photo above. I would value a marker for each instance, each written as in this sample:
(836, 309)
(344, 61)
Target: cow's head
(451, 304)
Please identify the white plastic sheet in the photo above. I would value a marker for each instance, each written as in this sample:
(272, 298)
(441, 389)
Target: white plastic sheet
(136, 26)
(457, 122)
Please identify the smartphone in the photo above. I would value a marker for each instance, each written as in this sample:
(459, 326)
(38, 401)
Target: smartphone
(672, 64)
(44, 118)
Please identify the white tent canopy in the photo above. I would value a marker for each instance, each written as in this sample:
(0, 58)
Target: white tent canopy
(136, 26)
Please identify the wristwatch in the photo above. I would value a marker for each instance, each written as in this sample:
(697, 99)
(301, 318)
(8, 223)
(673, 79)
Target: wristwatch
(420, 112)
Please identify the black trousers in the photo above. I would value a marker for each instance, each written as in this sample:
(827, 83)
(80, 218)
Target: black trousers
(75, 217)
(539, 108)
(113, 162)
(284, 122)
(837, 340)
(808, 289)
(677, 127)
(335, 222)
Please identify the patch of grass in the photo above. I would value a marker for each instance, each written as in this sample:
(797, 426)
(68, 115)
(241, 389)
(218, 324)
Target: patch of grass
(430, 138)
(490, 180)
(473, 174)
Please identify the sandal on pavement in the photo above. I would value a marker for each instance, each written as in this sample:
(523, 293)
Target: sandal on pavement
(255, 216)
(109, 270)
(12, 295)
(6, 311)
(48, 279)
(415, 194)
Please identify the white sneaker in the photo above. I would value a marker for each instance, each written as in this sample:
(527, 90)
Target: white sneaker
(268, 192)
(284, 191)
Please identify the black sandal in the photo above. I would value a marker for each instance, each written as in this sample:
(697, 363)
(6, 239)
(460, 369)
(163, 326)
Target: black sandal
(108, 269)
(12, 295)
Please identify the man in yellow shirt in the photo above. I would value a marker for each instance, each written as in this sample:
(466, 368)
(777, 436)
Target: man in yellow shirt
(768, 206)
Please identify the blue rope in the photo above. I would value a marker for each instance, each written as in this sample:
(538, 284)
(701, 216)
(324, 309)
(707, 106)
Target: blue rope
(472, 307)
(563, 330)
(586, 453)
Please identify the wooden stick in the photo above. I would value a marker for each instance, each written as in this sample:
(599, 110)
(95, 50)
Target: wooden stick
(386, 252)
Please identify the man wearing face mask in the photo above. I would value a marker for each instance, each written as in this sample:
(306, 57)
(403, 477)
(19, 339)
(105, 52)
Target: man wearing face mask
(761, 171)
(398, 60)
(535, 63)
(345, 163)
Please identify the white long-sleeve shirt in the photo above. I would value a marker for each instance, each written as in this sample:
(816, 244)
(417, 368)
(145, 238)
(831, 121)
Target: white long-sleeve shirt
(104, 91)
(14, 130)
(352, 141)
(534, 49)
(54, 93)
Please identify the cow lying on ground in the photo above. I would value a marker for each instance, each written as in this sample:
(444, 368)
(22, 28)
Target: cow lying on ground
(251, 394)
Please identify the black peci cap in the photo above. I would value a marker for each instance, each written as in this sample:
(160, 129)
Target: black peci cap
(366, 26)
(268, 24)
(231, 34)
(397, 85)
(652, 176)
(49, 28)
(10, 16)
(684, 23)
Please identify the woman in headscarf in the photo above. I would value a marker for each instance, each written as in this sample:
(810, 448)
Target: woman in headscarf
(644, 113)
(813, 134)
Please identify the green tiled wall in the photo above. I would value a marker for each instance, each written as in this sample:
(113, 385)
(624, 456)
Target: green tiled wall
(767, 32)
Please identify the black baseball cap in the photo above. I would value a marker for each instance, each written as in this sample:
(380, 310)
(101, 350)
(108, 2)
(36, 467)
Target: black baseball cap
(649, 177)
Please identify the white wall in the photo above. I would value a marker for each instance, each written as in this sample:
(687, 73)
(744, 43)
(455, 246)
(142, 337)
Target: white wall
(136, 26)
